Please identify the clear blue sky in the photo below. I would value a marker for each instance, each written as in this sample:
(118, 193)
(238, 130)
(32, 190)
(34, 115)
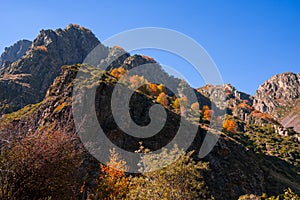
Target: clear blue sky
(248, 40)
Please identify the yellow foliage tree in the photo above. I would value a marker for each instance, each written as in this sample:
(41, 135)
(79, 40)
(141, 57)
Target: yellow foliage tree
(176, 104)
(161, 88)
(174, 179)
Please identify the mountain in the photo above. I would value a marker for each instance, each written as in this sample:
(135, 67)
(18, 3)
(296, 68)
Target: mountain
(14, 52)
(38, 98)
(280, 97)
(234, 169)
(26, 80)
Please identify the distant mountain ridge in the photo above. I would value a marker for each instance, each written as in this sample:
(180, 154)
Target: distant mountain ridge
(14, 52)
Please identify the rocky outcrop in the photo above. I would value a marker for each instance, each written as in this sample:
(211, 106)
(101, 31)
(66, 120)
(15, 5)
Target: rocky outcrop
(278, 91)
(279, 96)
(27, 80)
(115, 58)
(292, 118)
(14, 52)
(232, 98)
(238, 104)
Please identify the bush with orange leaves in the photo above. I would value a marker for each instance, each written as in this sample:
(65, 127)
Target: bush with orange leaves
(42, 48)
(207, 113)
(118, 72)
(113, 183)
(230, 125)
(136, 81)
(180, 103)
(153, 89)
(264, 116)
(163, 99)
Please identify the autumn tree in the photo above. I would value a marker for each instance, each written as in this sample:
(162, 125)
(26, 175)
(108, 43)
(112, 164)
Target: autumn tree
(230, 125)
(153, 89)
(169, 175)
(207, 113)
(184, 101)
(112, 182)
(163, 99)
(162, 88)
(42, 48)
(176, 104)
(118, 72)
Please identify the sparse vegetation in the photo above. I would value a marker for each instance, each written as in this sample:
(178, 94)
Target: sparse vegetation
(287, 195)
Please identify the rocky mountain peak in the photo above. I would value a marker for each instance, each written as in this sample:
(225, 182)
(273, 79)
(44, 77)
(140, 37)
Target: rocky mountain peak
(14, 52)
(31, 76)
(280, 97)
(279, 91)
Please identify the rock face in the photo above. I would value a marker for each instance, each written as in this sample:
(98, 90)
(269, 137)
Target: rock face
(233, 96)
(279, 90)
(27, 80)
(115, 58)
(14, 52)
(292, 119)
(280, 96)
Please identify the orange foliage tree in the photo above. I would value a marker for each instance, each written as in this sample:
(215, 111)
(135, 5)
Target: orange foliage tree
(148, 58)
(184, 101)
(118, 72)
(153, 89)
(207, 113)
(113, 183)
(230, 125)
(163, 99)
